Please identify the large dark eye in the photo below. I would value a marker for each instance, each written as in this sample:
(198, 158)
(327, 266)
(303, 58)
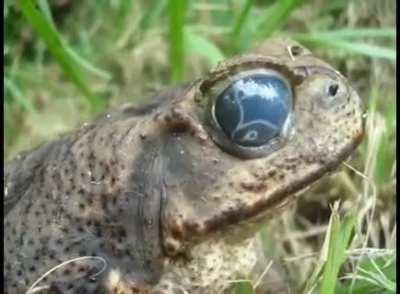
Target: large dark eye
(253, 109)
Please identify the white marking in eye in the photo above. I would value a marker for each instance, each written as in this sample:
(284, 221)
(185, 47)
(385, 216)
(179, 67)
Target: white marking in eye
(251, 136)
(251, 88)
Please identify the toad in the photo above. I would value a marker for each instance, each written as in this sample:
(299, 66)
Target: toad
(168, 197)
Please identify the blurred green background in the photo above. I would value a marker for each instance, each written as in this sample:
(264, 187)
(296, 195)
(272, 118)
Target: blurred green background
(68, 61)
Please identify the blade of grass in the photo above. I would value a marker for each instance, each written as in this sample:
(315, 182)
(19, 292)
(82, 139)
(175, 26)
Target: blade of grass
(386, 154)
(240, 21)
(348, 46)
(87, 65)
(312, 281)
(54, 43)
(154, 10)
(244, 28)
(340, 236)
(352, 33)
(243, 287)
(375, 276)
(275, 17)
(196, 43)
(18, 96)
(176, 9)
(45, 9)
(332, 254)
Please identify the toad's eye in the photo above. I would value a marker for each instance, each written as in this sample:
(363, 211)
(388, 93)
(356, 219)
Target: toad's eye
(253, 109)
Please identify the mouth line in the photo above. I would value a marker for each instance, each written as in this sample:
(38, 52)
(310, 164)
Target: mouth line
(232, 217)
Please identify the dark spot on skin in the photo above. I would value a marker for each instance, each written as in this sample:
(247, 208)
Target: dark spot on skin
(128, 253)
(65, 230)
(254, 187)
(177, 232)
(81, 269)
(192, 226)
(32, 268)
(98, 233)
(67, 272)
(170, 248)
(122, 232)
(272, 173)
(89, 200)
(28, 207)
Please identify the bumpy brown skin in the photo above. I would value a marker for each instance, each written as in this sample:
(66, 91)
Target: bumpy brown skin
(149, 191)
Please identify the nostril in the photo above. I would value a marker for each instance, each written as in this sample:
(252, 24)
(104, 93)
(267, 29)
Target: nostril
(333, 89)
(296, 50)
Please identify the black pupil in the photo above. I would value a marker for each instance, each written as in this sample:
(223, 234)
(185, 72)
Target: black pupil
(333, 89)
(252, 110)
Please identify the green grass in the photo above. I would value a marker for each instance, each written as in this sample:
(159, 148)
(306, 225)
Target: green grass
(41, 22)
(177, 13)
(67, 61)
